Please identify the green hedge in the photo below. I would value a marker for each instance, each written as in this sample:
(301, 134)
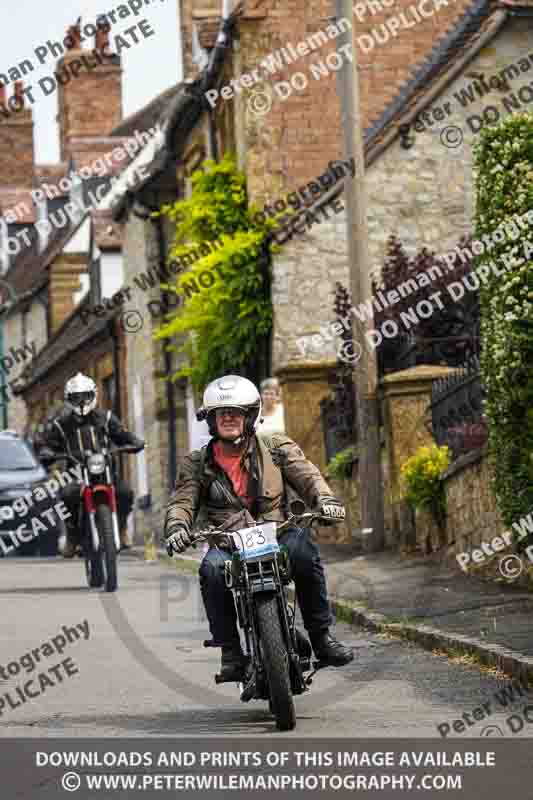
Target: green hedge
(503, 162)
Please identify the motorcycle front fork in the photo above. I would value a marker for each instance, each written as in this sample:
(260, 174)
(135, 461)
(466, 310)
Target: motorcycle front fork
(288, 625)
(94, 530)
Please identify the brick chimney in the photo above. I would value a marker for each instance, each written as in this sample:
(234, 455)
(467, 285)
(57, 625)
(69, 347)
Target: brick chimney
(16, 139)
(89, 89)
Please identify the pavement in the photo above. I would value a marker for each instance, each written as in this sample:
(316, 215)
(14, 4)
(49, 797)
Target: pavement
(140, 669)
(429, 603)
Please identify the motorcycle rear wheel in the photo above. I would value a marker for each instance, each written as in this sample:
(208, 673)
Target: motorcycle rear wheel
(276, 662)
(104, 524)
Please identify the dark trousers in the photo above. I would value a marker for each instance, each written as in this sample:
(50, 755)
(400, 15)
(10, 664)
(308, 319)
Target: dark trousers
(309, 580)
(70, 494)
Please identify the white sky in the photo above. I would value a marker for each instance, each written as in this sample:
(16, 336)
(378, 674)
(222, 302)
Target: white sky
(149, 67)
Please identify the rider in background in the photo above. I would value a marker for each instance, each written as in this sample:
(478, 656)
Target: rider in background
(62, 432)
(238, 478)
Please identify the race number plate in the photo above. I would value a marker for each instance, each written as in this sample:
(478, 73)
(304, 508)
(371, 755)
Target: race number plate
(257, 541)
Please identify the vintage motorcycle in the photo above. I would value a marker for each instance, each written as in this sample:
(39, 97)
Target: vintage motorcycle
(97, 515)
(277, 654)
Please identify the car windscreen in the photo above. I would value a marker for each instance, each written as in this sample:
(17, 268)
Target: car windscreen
(16, 455)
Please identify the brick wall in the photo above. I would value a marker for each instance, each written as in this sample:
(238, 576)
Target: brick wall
(16, 144)
(90, 104)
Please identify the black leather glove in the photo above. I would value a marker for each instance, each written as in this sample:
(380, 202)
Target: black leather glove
(177, 539)
(331, 510)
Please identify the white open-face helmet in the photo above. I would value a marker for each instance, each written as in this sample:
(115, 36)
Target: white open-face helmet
(231, 391)
(81, 394)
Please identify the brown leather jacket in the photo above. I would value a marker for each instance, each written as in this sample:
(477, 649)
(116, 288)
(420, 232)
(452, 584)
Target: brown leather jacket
(274, 463)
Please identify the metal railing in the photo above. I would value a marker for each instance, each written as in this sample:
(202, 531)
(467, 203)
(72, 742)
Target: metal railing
(338, 417)
(457, 401)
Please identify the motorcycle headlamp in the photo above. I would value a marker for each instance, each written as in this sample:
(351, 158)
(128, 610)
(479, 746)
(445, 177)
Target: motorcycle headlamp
(96, 464)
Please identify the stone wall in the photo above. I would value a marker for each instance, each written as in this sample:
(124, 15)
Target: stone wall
(472, 515)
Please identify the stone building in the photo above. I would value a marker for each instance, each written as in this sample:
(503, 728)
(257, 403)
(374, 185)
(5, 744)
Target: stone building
(281, 150)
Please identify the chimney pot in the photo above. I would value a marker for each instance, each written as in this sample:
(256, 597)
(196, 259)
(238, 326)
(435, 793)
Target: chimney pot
(19, 93)
(73, 40)
(101, 39)
(2, 94)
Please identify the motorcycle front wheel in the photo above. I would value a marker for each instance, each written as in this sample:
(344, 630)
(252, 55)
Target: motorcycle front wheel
(276, 662)
(93, 564)
(104, 524)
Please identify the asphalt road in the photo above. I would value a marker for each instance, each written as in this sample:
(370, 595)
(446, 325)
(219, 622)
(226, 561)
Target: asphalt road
(143, 670)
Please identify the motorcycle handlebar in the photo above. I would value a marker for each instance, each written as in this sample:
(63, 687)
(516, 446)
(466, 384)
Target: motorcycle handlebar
(308, 517)
(127, 448)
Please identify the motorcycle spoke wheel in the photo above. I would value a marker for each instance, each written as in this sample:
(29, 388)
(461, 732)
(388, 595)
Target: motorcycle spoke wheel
(276, 663)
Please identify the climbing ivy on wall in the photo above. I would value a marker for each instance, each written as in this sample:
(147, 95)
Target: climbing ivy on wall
(226, 308)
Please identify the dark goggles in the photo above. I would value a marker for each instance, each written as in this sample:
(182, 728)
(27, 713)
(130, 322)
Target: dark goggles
(234, 411)
(81, 398)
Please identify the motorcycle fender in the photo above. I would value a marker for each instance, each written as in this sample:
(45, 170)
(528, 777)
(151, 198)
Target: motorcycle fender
(111, 498)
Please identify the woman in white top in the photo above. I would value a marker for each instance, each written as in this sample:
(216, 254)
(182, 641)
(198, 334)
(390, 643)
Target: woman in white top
(272, 411)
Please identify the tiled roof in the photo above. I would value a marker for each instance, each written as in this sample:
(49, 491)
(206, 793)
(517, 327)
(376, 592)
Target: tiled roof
(28, 273)
(150, 115)
(461, 38)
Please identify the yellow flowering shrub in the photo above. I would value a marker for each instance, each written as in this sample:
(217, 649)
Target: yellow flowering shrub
(421, 475)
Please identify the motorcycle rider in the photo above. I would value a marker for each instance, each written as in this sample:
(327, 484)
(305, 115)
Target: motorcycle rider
(237, 474)
(62, 433)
